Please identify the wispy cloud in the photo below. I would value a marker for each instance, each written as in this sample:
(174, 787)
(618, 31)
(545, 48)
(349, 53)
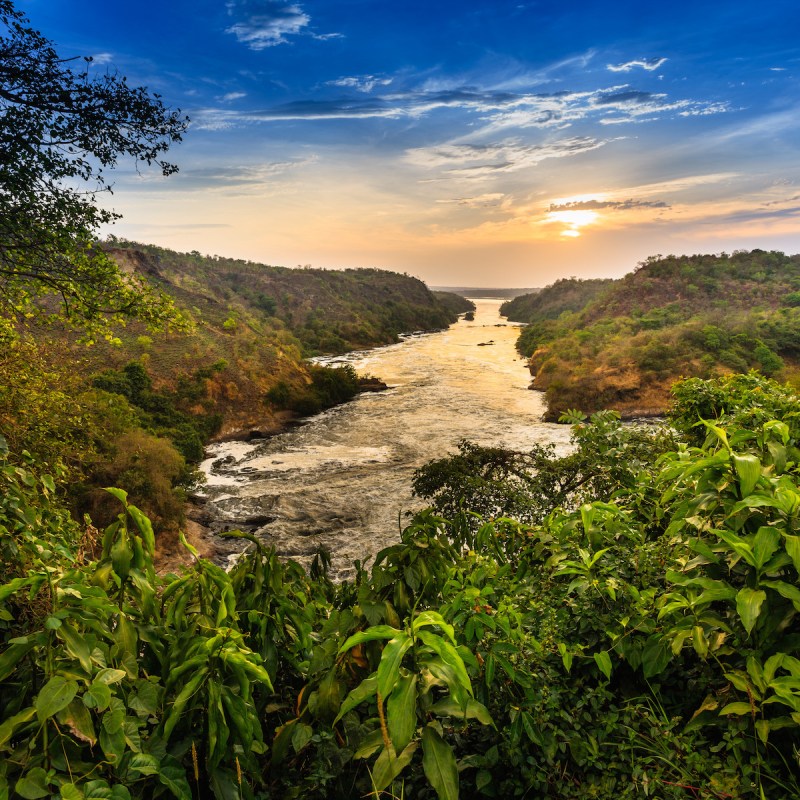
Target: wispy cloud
(616, 205)
(99, 59)
(361, 83)
(480, 160)
(230, 96)
(649, 64)
(497, 109)
(267, 23)
(487, 200)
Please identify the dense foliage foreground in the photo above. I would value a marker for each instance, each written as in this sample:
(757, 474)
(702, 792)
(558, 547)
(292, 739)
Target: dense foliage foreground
(636, 635)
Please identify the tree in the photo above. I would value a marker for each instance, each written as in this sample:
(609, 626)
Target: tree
(61, 126)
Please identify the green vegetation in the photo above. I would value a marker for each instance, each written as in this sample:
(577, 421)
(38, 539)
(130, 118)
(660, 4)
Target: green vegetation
(455, 303)
(637, 636)
(567, 294)
(687, 316)
(51, 121)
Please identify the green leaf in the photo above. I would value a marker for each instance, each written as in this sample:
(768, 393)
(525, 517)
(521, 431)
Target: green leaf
(120, 494)
(362, 692)
(301, 736)
(736, 708)
(13, 655)
(146, 528)
(451, 658)
(33, 785)
(8, 726)
(401, 709)
(427, 618)
(76, 645)
(369, 635)
(369, 744)
(77, 718)
(448, 707)
(603, 661)
(439, 764)
(792, 544)
(389, 765)
(748, 468)
(655, 656)
(748, 606)
(98, 696)
(144, 764)
(56, 694)
(765, 543)
(389, 666)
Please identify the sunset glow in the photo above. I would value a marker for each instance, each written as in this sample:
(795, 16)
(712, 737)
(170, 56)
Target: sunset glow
(431, 138)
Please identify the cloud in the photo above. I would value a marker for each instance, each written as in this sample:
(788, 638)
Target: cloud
(266, 23)
(227, 98)
(98, 59)
(235, 176)
(649, 64)
(488, 200)
(616, 205)
(480, 160)
(361, 83)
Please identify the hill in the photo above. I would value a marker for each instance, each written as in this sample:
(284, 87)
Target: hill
(567, 294)
(673, 317)
(136, 411)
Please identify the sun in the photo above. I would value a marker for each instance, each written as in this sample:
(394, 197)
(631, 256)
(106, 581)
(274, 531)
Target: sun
(574, 220)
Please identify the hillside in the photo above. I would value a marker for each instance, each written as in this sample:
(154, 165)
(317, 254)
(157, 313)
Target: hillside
(679, 316)
(567, 294)
(136, 411)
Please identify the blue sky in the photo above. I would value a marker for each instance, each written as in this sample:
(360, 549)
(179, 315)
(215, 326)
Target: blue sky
(472, 143)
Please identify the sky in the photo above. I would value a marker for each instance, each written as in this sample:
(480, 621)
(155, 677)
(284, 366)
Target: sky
(466, 143)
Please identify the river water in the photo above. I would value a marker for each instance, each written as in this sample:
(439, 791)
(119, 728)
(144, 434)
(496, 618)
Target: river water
(342, 480)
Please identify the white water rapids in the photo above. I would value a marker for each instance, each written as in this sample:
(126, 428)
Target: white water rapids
(342, 480)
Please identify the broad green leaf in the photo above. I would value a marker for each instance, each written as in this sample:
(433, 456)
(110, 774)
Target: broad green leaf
(603, 661)
(8, 726)
(427, 618)
(369, 635)
(120, 494)
(369, 744)
(748, 469)
(566, 656)
(389, 765)
(785, 590)
(765, 543)
(301, 736)
(98, 696)
(748, 606)
(78, 720)
(69, 791)
(389, 666)
(736, 708)
(655, 656)
(792, 544)
(401, 709)
(13, 655)
(699, 641)
(362, 692)
(439, 764)
(448, 707)
(146, 528)
(56, 694)
(76, 645)
(449, 656)
(144, 764)
(33, 785)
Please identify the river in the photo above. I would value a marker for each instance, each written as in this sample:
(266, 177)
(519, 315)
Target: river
(342, 480)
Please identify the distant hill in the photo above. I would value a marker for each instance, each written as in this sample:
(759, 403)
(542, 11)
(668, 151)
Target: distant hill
(567, 294)
(673, 317)
(477, 291)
